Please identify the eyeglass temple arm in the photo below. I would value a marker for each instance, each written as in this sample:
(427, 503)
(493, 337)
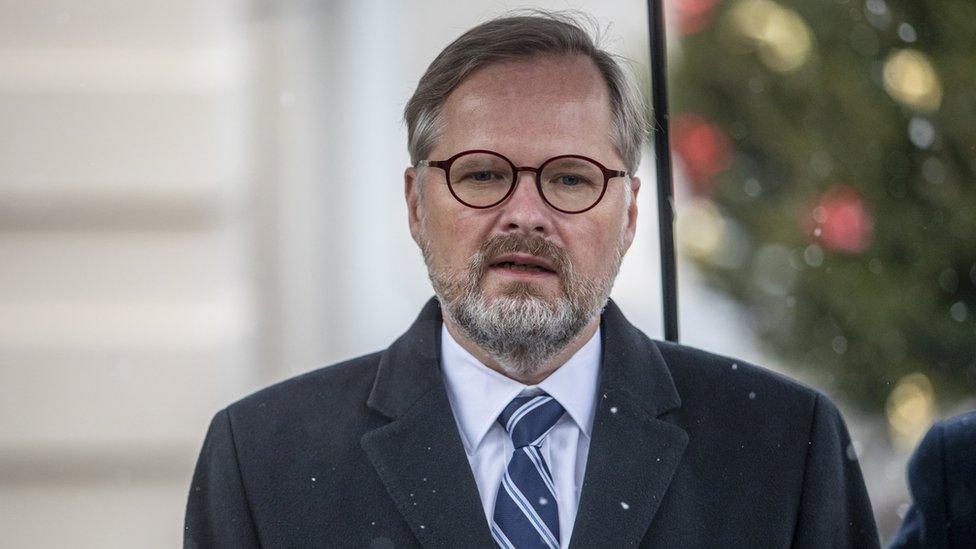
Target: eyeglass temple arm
(430, 163)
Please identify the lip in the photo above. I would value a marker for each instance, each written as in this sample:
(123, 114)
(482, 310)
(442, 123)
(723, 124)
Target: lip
(525, 259)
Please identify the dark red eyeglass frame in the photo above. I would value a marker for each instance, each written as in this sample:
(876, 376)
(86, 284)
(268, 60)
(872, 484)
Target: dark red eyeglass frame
(446, 166)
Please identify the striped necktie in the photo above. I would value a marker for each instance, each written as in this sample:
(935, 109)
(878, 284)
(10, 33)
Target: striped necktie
(526, 514)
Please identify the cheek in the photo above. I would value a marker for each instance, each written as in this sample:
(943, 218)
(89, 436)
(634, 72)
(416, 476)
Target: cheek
(467, 234)
(593, 244)
(439, 219)
(455, 235)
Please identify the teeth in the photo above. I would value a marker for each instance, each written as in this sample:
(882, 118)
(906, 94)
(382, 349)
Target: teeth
(521, 267)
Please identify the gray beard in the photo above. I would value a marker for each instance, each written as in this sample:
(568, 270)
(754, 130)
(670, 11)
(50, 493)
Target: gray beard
(521, 330)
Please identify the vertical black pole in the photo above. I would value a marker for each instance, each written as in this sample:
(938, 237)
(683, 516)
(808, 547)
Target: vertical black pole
(662, 154)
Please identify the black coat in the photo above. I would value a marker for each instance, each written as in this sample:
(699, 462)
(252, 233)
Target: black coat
(942, 478)
(688, 449)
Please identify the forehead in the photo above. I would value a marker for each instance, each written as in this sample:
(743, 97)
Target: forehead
(531, 108)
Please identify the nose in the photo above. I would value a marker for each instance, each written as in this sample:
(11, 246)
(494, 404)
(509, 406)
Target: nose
(525, 210)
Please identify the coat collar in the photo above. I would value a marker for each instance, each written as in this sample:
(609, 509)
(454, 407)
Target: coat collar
(633, 454)
(410, 367)
(421, 461)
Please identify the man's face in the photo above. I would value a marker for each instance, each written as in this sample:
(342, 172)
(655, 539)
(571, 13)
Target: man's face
(529, 111)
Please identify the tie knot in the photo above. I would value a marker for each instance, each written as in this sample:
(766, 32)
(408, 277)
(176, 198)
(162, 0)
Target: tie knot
(529, 419)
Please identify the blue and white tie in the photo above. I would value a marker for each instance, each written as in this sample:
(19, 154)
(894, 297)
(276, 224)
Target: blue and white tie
(526, 514)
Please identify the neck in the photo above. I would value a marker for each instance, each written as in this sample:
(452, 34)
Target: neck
(542, 373)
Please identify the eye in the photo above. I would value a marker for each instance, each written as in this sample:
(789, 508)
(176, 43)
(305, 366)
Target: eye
(482, 176)
(571, 180)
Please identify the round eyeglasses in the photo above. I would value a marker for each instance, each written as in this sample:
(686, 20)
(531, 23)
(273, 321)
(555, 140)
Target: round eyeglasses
(570, 183)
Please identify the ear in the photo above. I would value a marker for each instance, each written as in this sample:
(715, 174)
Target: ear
(411, 192)
(631, 230)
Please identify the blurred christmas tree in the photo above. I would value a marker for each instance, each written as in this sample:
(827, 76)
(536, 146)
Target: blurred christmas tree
(830, 151)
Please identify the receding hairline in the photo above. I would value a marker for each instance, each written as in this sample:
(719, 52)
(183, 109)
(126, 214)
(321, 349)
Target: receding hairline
(601, 89)
(527, 35)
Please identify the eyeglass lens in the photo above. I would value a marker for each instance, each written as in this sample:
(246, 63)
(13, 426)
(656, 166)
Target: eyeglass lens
(482, 180)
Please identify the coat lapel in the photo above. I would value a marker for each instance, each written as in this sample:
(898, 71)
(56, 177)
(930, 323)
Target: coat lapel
(419, 455)
(633, 454)
(421, 461)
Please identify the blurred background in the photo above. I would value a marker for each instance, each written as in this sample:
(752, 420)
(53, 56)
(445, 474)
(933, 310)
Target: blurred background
(198, 199)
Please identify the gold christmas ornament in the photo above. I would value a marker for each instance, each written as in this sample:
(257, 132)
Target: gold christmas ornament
(910, 410)
(700, 228)
(781, 37)
(911, 79)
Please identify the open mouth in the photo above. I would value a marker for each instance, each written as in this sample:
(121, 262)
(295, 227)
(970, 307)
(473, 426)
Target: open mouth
(522, 267)
(523, 264)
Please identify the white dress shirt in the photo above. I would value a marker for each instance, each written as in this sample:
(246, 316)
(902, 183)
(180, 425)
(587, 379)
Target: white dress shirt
(478, 395)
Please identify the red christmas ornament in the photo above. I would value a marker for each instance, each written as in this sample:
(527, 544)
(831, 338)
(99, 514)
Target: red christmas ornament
(703, 148)
(840, 221)
(693, 16)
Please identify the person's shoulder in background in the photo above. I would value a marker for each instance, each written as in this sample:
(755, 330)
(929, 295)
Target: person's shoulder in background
(942, 480)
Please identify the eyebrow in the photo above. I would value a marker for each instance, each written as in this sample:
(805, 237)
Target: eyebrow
(572, 162)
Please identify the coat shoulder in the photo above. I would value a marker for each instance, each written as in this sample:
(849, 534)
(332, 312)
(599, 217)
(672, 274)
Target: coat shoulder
(707, 380)
(959, 430)
(946, 450)
(337, 390)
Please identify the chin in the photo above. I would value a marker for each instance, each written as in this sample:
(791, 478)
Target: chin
(519, 290)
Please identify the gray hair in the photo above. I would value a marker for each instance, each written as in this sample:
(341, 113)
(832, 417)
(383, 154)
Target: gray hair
(538, 33)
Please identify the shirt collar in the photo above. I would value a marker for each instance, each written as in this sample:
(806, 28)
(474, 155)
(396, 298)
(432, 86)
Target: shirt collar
(478, 394)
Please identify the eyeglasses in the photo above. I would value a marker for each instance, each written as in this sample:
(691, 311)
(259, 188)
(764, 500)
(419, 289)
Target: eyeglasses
(481, 179)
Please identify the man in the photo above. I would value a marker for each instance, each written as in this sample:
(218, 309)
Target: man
(942, 478)
(521, 409)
